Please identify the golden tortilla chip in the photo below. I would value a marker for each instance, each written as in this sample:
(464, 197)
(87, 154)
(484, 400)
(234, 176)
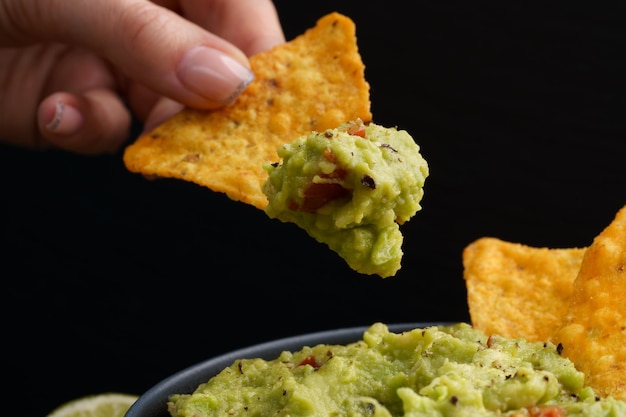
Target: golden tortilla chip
(593, 335)
(516, 290)
(314, 82)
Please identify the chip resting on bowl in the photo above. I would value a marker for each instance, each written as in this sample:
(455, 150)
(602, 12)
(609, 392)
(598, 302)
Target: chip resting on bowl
(516, 290)
(315, 81)
(593, 335)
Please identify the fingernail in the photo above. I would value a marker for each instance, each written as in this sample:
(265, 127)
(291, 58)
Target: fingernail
(67, 120)
(213, 74)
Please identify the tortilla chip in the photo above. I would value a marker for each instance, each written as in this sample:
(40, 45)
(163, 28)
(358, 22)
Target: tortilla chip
(314, 82)
(593, 335)
(516, 290)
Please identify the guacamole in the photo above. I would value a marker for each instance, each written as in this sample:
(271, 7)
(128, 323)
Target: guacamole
(350, 188)
(439, 371)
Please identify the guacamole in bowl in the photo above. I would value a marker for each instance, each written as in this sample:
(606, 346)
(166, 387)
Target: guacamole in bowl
(450, 370)
(153, 402)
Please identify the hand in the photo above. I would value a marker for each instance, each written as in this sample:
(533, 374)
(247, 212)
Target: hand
(71, 73)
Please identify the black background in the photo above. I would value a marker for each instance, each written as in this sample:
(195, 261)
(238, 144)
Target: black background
(111, 282)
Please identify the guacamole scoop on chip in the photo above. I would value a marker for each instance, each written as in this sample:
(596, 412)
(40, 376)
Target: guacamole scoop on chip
(351, 188)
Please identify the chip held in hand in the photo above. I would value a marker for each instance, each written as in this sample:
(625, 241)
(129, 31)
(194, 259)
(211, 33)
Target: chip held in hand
(365, 181)
(316, 81)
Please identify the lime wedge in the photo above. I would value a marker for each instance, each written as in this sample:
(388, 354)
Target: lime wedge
(110, 404)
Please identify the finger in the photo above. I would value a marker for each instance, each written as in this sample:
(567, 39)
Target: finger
(161, 111)
(141, 100)
(251, 25)
(148, 43)
(93, 123)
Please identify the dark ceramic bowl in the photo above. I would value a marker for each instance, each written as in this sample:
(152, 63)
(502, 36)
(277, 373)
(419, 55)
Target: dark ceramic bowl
(153, 402)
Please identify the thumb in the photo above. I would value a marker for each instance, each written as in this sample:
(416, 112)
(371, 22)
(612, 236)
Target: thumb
(148, 43)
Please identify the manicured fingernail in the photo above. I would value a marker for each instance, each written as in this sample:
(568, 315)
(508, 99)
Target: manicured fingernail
(67, 120)
(213, 74)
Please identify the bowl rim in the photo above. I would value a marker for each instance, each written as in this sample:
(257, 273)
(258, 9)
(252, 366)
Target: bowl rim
(152, 402)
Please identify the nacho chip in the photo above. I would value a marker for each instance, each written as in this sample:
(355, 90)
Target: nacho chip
(311, 83)
(593, 335)
(516, 290)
